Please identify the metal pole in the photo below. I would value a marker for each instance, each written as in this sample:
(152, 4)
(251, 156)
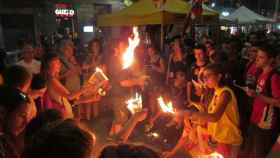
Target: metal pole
(161, 36)
(259, 6)
(276, 10)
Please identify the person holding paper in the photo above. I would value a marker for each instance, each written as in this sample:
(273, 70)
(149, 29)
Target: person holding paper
(57, 95)
(125, 83)
(222, 116)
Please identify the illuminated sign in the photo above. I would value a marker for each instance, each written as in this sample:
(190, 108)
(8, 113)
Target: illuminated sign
(63, 12)
(88, 29)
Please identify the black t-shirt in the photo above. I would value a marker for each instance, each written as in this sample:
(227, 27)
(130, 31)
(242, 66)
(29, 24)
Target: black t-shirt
(116, 75)
(193, 74)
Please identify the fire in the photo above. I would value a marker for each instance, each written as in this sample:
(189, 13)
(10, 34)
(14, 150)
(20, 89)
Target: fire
(214, 155)
(166, 107)
(98, 77)
(153, 135)
(134, 105)
(128, 55)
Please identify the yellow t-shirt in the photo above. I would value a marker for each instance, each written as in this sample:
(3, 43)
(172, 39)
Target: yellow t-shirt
(226, 130)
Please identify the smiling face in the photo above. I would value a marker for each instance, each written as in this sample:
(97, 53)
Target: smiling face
(211, 79)
(54, 66)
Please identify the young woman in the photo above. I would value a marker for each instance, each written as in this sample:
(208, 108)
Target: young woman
(57, 95)
(15, 115)
(93, 60)
(222, 115)
(70, 68)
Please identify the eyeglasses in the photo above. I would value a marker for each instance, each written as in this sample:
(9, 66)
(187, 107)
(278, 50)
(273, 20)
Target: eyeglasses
(24, 97)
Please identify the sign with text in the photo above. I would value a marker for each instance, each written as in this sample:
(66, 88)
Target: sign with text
(64, 10)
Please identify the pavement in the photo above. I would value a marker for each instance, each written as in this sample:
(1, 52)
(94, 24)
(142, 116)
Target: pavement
(160, 138)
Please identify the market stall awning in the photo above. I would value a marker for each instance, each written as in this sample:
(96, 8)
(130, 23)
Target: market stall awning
(145, 12)
(243, 15)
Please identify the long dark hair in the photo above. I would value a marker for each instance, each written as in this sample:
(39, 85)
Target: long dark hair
(95, 40)
(45, 63)
(11, 99)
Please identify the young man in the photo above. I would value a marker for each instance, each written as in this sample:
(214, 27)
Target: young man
(18, 77)
(264, 121)
(28, 61)
(125, 83)
(193, 87)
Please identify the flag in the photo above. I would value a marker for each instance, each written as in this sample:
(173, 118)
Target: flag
(196, 9)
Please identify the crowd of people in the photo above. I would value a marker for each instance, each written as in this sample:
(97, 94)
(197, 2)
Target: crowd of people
(226, 98)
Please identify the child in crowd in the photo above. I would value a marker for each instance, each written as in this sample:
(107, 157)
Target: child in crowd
(222, 115)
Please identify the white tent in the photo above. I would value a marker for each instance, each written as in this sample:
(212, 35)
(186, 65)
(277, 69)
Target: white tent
(243, 15)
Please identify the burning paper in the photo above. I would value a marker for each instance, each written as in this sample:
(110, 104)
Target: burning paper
(97, 77)
(128, 55)
(134, 105)
(153, 135)
(168, 108)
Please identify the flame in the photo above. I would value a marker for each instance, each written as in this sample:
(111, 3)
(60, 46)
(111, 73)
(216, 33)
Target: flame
(134, 104)
(213, 155)
(155, 134)
(216, 155)
(128, 55)
(165, 107)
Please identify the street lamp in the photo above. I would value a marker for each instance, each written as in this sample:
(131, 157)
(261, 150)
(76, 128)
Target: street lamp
(225, 13)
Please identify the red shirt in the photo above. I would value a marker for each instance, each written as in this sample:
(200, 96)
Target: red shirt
(252, 75)
(264, 115)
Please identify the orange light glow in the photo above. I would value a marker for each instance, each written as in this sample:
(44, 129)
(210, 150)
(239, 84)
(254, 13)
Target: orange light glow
(97, 77)
(168, 108)
(213, 155)
(128, 56)
(134, 105)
